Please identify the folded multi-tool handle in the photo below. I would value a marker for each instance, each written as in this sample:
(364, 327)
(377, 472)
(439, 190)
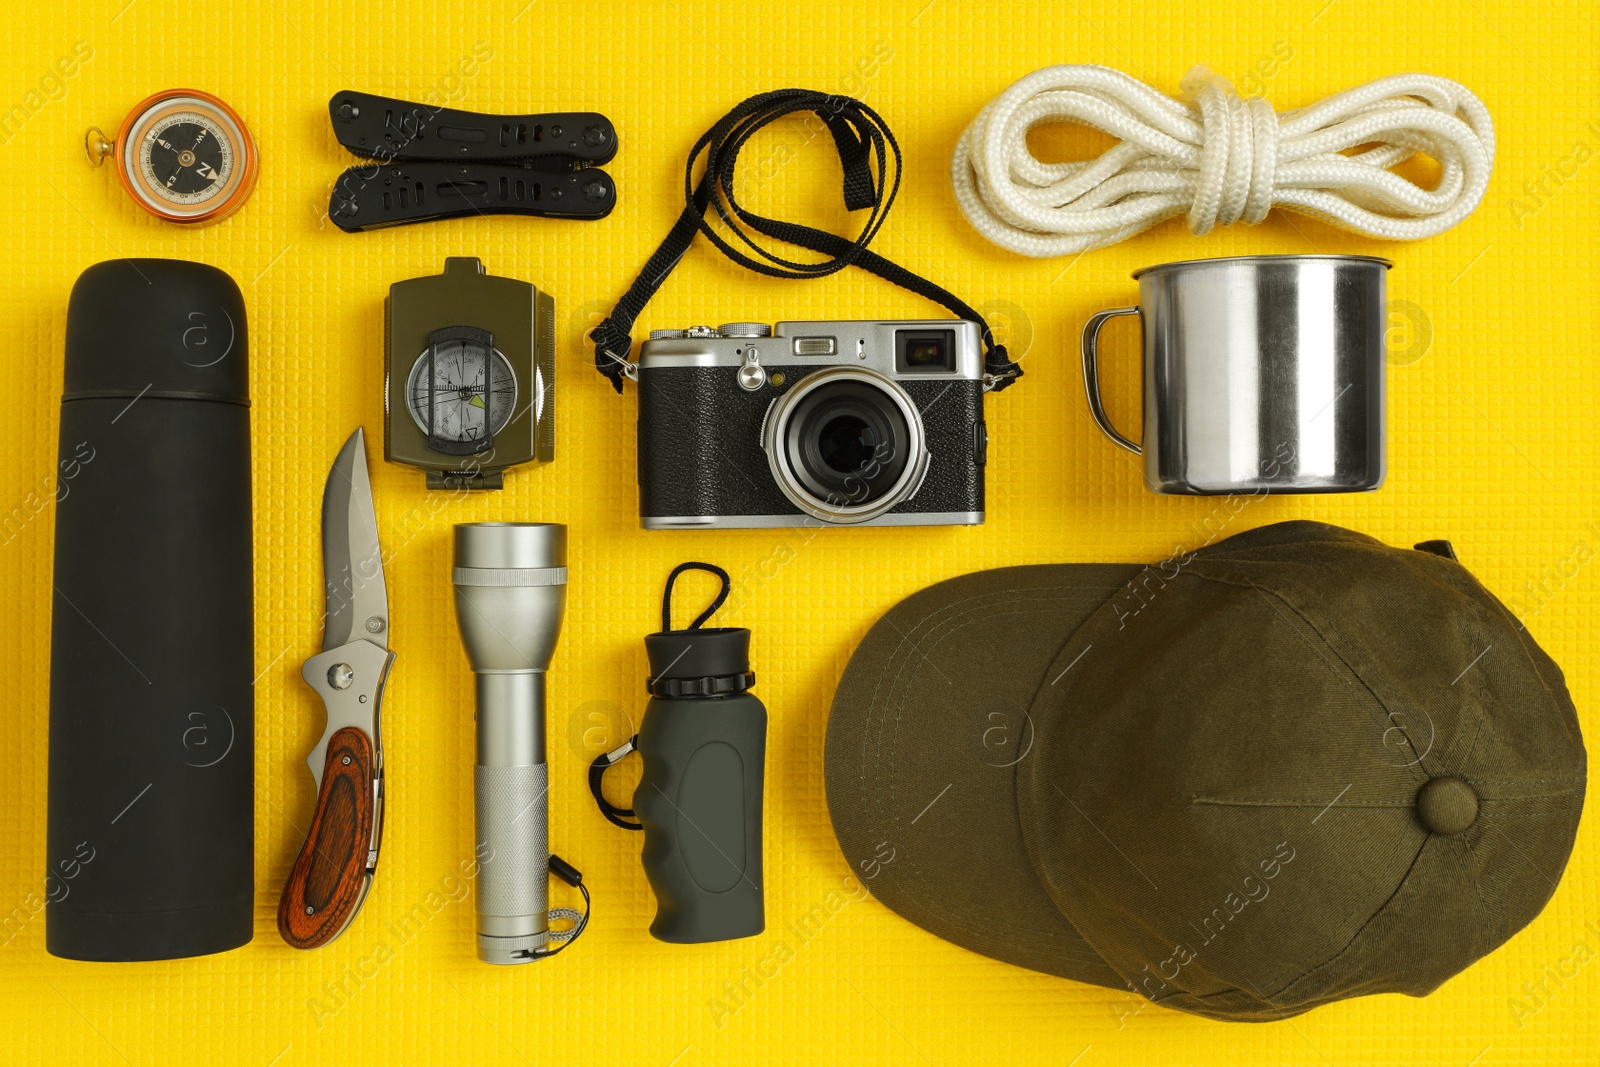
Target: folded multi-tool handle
(389, 130)
(365, 198)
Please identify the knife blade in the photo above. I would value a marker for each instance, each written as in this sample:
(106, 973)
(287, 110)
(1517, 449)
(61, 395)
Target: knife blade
(339, 858)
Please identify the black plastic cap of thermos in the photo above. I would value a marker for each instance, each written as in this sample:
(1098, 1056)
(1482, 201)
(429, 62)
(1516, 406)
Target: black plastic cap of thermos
(150, 841)
(162, 328)
(721, 652)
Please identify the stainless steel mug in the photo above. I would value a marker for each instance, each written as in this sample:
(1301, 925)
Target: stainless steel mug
(1261, 374)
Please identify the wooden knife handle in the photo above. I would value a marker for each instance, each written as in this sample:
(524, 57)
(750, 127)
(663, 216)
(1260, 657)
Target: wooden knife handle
(329, 878)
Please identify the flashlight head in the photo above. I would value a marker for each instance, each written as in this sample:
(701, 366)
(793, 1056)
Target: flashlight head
(511, 588)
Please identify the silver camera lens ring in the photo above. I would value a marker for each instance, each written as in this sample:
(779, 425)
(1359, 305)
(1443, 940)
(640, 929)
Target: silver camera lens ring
(774, 432)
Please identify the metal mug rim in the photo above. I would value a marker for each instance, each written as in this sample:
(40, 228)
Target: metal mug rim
(1266, 258)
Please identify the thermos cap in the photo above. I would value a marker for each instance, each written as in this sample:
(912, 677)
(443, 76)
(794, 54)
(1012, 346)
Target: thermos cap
(158, 328)
(714, 661)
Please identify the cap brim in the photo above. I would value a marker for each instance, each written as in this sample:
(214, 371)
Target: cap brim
(928, 725)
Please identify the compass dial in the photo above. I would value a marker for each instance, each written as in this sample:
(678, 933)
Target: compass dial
(185, 156)
(464, 408)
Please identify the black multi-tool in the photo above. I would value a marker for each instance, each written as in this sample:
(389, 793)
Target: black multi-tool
(437, 163)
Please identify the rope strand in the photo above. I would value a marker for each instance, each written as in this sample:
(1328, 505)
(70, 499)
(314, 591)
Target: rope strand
(1218, 158)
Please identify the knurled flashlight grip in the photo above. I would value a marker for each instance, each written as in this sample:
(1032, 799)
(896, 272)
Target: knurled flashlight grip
(513, 850)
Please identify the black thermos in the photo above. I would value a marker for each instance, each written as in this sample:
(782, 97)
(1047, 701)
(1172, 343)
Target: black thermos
(151, 840)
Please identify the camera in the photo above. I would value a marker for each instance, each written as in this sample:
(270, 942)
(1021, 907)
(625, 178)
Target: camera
(834, 421)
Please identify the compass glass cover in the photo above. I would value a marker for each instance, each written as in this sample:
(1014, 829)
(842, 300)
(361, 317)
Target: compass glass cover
(463, 407)
(183, 157)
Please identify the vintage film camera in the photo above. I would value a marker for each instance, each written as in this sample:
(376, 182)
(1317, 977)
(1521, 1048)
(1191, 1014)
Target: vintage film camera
(833, 421)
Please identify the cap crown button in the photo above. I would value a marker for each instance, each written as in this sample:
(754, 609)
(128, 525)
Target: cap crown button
(1447, 805)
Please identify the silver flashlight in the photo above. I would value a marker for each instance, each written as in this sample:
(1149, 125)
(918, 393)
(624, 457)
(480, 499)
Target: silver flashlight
(511, 587)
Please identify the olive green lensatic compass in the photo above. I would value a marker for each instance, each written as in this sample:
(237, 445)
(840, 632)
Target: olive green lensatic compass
(182, 155)
(470, 377)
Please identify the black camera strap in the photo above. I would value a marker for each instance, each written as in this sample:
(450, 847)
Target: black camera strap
(862, 140)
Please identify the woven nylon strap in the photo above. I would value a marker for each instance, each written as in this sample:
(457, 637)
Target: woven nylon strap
(866, 151)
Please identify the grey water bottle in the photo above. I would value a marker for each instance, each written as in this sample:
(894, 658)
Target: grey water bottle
(151, 846)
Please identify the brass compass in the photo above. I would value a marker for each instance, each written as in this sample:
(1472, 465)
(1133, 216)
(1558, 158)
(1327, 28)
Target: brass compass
(182, 155)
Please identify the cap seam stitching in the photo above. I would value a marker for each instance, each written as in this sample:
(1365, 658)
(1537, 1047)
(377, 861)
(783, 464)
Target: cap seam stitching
(1476, 698)
(1532, 781)
(1525, 814)
(1382, 916)
(1479, 905)
(1416, 772)
(929, 626)
(1297, 802)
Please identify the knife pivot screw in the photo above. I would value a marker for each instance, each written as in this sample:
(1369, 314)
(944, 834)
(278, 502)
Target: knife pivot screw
(375, 625)
(348, 112)
(594, 191)
(340, 676)
(310, 910)
(594, 136)
(345, 760)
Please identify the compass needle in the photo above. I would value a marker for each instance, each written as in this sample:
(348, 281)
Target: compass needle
(460, 366)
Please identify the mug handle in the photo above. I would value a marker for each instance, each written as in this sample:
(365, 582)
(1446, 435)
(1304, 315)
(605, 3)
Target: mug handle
(1091, 375)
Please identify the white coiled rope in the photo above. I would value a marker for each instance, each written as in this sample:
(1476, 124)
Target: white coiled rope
(1218, 158)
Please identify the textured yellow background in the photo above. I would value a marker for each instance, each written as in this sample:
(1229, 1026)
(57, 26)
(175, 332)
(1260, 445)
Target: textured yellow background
(1492, 433)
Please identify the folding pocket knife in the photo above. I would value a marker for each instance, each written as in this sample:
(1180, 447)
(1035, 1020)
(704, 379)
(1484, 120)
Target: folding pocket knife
(331, 877)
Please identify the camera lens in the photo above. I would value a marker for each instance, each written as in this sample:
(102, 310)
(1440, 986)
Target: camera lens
(845, 445)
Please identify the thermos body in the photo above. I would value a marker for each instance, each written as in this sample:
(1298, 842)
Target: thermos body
(151, 771)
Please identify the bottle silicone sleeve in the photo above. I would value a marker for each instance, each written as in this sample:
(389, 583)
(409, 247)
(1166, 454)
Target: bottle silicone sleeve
(699, 800)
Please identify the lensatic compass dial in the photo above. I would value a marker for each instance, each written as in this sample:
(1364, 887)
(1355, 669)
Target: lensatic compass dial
(183, 155)
(467, 407)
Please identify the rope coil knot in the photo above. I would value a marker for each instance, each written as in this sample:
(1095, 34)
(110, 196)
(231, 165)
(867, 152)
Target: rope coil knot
(1218, 158)
(1238, 155)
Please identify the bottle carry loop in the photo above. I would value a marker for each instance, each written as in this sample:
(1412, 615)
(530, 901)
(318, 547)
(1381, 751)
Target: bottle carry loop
(705, 616)
(862, 138)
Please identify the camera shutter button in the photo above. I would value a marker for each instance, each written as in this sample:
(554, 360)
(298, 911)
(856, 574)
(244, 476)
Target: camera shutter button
(751, 376)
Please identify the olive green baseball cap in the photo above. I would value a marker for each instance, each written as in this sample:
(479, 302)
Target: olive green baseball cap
(1288, 768)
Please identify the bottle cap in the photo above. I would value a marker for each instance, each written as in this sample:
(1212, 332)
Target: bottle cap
(157, 328)
(709, 662)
